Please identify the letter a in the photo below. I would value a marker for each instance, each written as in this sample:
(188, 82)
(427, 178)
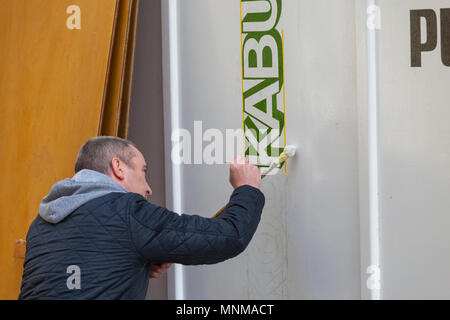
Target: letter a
(74, 281)
(73, 21)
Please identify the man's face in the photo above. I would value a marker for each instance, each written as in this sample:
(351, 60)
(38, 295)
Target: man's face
(135, 178)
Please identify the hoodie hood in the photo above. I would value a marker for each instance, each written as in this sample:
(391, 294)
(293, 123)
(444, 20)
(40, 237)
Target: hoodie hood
(69, 194)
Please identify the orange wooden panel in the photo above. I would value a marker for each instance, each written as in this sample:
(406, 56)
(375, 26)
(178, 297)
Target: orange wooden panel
(129, 70)
(52, 85)
(111, 112)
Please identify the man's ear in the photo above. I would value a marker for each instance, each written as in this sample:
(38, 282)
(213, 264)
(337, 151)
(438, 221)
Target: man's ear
(116, 168)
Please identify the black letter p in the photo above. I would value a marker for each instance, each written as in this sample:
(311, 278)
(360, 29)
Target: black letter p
(417, 47)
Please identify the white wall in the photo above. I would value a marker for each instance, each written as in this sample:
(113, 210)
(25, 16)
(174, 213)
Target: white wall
(322, 184)
(314, 240)
(307, 245)
(414, 160)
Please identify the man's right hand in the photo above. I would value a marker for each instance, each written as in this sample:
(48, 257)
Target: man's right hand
(242, 173)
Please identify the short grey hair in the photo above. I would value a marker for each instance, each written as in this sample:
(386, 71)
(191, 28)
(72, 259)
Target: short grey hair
(97, 153)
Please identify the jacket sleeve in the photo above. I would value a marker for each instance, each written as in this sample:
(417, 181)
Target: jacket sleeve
(160, 235)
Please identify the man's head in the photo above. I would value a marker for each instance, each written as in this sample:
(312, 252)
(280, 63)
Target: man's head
(117, 158)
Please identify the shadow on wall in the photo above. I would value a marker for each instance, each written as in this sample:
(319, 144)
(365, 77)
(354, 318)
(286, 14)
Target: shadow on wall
(146, 112)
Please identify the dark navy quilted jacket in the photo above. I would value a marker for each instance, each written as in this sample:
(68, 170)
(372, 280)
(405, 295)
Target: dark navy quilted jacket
(114, 238)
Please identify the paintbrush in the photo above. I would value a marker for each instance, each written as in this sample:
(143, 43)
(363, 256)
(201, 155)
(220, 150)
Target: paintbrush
(289, 151)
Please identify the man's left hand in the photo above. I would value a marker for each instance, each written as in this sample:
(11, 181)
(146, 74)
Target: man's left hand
(159, 268)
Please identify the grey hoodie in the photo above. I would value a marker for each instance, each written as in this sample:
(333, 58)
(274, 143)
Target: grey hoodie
(70, 194)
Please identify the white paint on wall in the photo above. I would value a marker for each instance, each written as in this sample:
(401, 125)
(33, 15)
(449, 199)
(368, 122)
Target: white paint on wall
(373, 269)
(172, 115)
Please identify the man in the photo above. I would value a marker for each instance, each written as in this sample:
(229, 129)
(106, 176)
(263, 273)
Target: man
(97, 237)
